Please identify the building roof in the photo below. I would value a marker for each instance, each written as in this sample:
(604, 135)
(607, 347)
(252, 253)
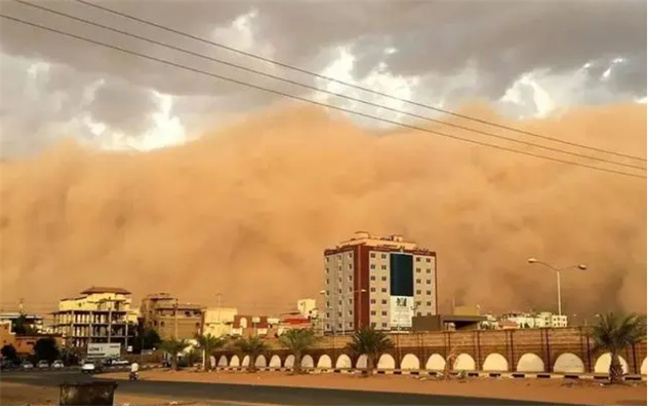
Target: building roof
(96, 289)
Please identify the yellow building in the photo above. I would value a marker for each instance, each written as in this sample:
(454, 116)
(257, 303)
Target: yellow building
(218, 321)
(170, 318)
(98, 315)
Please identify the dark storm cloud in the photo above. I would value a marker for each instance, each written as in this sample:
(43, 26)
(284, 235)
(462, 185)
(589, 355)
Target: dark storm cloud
(498, 40)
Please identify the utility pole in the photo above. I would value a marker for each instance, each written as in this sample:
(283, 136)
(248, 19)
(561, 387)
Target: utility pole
(176, 319)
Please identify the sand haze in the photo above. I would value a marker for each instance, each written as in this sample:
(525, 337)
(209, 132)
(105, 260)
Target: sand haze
(247, 211)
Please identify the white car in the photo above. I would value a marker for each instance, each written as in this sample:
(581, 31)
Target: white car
(27, 365)
(58, 364)
(90, 367)
(42, 364)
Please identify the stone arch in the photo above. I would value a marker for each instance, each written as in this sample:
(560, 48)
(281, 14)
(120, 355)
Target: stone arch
(343, 361)
(288, 362)
(530, 362)
(275, 362)
(307, 361)
(223, 361)
(464, 362)
(569, 362)
(362, 362)
(644, 366)
(410, 361)
(260, 361)
(386, 361)
(246, 361)
(495, 362)
(435, 363)
(324, 361)
(234, 361)
(602, 364)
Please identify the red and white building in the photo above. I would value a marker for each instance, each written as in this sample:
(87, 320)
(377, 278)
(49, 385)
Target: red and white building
(378, 281)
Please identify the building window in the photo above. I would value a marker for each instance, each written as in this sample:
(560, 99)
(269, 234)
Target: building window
(383, 301)
(339, 291)
(372, 266)
(428, 303)
(327, 326)
(327, 281)
(417, 259)
(372, 313)
(384, 313)
(372, 255)
(428, 281)
(418, 303)
(428, 270)
(350, 313)
(384, 324)
(383, 278)
(417, 292)
(418, 281)
(373, 325)
(372, 301)
(327, 304)
(340, 302)
(340, 314)
(417, 270)
(428, 259)
(372, 289)
(383, 290)
(383, 256)
(383, 267)
(428, 292)
(350, 278)
(349, 255)
(372, 278)
(327, 259)
(349, 266)
(327, 293)
(327, 315)
(349, 301)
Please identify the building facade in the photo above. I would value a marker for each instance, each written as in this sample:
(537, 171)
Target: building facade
(378, 281)
(218, 321)
(34, 322)
(98, 315)
(171, 319)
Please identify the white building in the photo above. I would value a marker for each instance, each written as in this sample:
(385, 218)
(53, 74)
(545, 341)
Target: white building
(218, 321)
(538, 320)
(378, 281)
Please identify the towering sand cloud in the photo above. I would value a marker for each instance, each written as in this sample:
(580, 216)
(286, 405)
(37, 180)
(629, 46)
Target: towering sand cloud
(248, 210)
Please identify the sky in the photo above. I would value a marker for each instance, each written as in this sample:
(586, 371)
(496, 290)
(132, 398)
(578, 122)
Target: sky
(530, 59)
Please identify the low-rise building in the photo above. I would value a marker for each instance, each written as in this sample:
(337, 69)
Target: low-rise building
(31, 321)
(171, 319)
(97, 315)
(23, 344)
(218, 321)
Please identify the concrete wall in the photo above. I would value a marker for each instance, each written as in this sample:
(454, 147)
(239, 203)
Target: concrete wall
(562, 350)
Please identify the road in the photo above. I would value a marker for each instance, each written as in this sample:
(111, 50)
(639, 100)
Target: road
(277, 395)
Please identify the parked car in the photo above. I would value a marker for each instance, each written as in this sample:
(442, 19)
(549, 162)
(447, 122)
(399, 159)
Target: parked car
(58, 364)
(42, 364)
(27, 365)
(120, 363)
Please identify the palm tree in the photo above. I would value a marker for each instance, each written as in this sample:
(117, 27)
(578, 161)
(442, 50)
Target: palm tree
(372, 343)
(174, 347)
(613, 333)
(297, 341)
(208, 343)
(253, 347)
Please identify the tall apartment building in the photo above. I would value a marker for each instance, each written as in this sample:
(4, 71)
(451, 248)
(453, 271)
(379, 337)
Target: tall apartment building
(171, 319)
(378, 281)
(98, 315)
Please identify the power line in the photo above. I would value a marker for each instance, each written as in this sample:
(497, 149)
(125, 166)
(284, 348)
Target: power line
(341, 82)
(314, 88)
(189, 68)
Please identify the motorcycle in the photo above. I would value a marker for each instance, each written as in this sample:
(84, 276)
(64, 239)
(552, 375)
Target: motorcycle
(133, 376)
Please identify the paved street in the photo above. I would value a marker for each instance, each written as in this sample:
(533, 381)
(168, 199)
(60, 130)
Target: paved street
(255, 393)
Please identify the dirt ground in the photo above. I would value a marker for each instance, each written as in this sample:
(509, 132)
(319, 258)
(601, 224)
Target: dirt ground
(552, 390)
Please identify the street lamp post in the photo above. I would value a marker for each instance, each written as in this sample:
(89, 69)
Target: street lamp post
(557, 274)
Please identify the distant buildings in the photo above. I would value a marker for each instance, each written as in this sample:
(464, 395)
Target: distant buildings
(171, 319)
(98, 315)
(23, 344)
(525, 320)
(218, 321)
(31, 321)
(378, 281)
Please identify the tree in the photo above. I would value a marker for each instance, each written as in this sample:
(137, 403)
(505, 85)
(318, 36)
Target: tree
(253, 347)
(370, 342)
(22, 327)
(613, 333)
(174, 347)
(208, 343)
(297, 341)
(9, 353)
(46, 349)
(147, 339)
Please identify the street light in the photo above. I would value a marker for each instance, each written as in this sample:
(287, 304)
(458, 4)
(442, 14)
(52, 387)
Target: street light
(557, 270)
